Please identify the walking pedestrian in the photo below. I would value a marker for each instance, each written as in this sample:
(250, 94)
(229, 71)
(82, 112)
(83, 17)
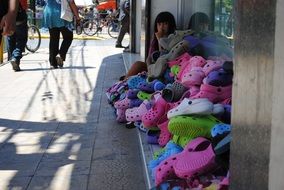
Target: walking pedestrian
(124, 19)
(56, 25)
(17, 42)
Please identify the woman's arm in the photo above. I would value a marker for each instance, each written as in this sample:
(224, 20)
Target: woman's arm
(8, 22)
(74, 9)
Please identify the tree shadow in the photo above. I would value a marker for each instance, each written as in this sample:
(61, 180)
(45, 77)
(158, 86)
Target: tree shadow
(41, 155)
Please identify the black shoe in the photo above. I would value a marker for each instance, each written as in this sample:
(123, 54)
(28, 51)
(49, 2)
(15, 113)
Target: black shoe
(59, 61)
(54, 66)
(119, 46)
(15, 65)
(126, 50)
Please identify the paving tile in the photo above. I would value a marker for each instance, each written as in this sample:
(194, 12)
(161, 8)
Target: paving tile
(22, 168)
(65, 168)
(53, 155)
(58, 182)
(10, 181)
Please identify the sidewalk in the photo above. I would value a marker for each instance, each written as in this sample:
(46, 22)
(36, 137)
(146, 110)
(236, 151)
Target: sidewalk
(57, 130)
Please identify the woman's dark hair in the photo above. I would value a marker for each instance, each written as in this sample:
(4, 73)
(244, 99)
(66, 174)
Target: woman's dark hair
(196, 19)
(166, 17)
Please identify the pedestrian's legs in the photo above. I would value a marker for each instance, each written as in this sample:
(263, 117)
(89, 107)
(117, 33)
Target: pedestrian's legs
(11, 44)
(53, 45)
(123, 30)
(66, 43)
(21, 39)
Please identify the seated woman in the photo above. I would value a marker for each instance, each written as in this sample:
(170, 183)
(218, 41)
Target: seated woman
(165, 24)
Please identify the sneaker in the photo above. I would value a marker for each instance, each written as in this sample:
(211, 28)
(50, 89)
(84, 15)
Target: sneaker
(119, 46)
(59, 61)
(54, 66)
(15, 65)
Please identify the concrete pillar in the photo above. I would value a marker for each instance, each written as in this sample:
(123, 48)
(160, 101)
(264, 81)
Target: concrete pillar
(276, 166)
(256, 94)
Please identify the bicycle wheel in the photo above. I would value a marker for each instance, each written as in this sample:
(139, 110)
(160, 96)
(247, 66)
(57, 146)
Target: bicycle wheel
(34, 39)
(90, 27)
(113, 28)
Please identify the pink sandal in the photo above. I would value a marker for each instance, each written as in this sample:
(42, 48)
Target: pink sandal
(184, 57)
(213, 93)
(151, 118)
(194, 77)
(165, 135)
(135, 114)
(196, 61)
(120, 115)
(196, 161)
(165, 170)
(212, 66)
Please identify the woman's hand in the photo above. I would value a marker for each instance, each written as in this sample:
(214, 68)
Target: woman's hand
(8, 24)
(162, 30)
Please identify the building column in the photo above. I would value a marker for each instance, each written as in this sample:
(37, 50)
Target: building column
(253, 94)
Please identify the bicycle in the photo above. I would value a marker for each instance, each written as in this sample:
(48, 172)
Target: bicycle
(94, 25)
(34, 36)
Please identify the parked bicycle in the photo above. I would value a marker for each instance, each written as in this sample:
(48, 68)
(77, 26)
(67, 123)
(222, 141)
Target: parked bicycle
(96, 24)
(34, 36)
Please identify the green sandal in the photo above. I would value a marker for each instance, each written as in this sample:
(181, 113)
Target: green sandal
(192, 126)
(181, 141)
(143, 95)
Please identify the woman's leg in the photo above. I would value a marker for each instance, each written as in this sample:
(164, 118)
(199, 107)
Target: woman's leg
(53, 45)
(66, 43)
(136, 68)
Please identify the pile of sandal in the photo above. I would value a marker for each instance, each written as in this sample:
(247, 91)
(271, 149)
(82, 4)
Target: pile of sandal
(183, 104)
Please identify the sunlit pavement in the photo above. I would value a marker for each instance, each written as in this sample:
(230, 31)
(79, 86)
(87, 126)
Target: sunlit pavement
(57, 130)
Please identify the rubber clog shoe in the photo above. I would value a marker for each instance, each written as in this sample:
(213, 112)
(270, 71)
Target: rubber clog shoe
(165, 135)
(135, 103)
(135, 114)
(212, 66)
(165, 170)
(220, 129)
(122, 104)
(133, 81)
(192, 126)
(132, 93)
(195, 61)
(120, 113)
(170, 149)
(201, 106)
(184, 57)
(151, 87)
(144, 95)
(195, 162)
(127, 103)
(213, 93)
(173, 92)
(152, 117)
(152, 136)
(175, 70)
(193, 78)
(181, 141)
(219, 78)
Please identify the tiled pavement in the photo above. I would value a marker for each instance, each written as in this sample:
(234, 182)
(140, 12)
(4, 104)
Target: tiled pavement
(56, 129)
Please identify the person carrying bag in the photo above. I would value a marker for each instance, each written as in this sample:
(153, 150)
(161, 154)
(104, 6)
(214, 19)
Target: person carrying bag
(58, 19)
